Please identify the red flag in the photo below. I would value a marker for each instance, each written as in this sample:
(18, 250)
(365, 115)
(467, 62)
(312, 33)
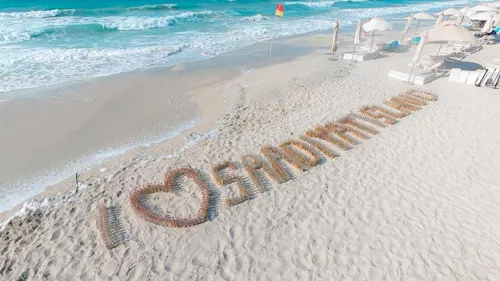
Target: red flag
(280, 10)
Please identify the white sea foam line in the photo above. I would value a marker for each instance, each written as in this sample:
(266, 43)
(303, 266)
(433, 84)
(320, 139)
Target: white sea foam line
(41, 14)
(37, 14)
(20, 191)
(320, 3)
(18, 29)
(52, 66)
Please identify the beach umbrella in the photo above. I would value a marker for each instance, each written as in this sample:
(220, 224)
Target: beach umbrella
(407, 27)
(482, 8)
(418, 54)
(484, 16)
(357, 36)
(464, 12)
(376, 24)
(491, 18)
(449, 31)
(488, 25)
(496, 20)
(335, 35)
(449, 12)
(439, 19)
(421, 16)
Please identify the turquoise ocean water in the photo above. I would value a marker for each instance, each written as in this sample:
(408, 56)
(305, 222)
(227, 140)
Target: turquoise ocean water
(54, 41)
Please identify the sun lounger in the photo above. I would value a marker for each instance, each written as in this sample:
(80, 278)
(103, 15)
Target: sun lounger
(473, 76)
(494, 79)
(484, 78)
(472, 48)
(454, 73)
(418, 77)
(476, 77)
(488, 79)
(487, 40)
(460, 51)
(491, 78)
(360, 55)
(482, 75)
(432, 64)
(464, 76)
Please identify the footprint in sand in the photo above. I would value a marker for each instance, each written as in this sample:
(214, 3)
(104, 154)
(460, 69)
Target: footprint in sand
(235, 232)
(55, 235)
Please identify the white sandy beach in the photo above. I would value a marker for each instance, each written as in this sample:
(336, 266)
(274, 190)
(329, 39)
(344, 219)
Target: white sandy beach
(417, 201)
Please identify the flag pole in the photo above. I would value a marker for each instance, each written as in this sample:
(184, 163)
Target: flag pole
(272, 39)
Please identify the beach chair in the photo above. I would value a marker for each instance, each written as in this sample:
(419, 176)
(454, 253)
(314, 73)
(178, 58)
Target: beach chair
(463, 76)
(417, 77)
(472, 48)
(487, 40)
(454, 73)
(481, 75)
(473, 76)
(361, 55)
(432, 63)
(459, 51)
(494, 79)
(482, 78)
(490, 78)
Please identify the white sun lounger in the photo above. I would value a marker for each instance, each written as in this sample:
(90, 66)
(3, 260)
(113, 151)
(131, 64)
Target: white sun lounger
(459, 51)
(493, 79)
(464, 76)
(454, 73)
(488, 78)
(485, 78)
(418, 77)
(479, 80)
(472, 79)
(361, 55)
(433, 63)
(487, 40)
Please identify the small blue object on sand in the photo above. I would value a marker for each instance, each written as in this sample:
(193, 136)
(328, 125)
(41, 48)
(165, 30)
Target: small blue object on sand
(416, 39)
(497, 30)
(393, 45)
